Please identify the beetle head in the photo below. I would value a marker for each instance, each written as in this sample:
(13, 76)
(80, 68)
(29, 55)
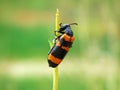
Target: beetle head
(64, 26)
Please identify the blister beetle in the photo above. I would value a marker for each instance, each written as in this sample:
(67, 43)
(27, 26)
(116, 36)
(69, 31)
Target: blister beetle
(62, 44)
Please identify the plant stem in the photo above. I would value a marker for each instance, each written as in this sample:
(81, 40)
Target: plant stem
(55, 78)
(55, 70)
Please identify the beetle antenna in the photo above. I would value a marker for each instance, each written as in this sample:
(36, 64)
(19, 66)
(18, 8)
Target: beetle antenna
(73, 24)
(60, 24)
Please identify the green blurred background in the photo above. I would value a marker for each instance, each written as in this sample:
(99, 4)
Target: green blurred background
(93, 63)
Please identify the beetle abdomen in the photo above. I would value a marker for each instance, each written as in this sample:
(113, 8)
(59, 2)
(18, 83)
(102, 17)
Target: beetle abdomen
(60, 49)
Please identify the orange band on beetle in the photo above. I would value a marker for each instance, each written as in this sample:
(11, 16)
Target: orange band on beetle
(58, 43)
(68, 38)
(65, 48)
(54, 59)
